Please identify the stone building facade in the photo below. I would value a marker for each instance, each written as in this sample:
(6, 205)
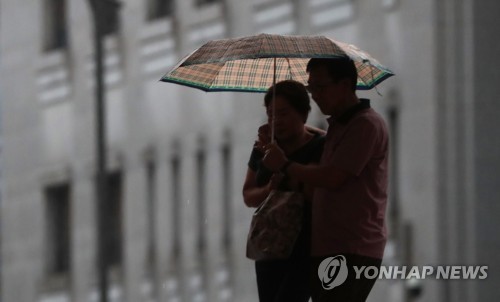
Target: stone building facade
(177, 156)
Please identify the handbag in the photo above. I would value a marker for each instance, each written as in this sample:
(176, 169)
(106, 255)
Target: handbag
(275, 226)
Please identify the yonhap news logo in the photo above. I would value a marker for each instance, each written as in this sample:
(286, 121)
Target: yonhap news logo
(333, 272)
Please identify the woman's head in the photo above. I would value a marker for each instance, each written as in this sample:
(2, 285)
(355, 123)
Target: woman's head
(292, 108)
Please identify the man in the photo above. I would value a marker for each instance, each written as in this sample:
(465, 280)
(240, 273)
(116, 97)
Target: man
(350, 195)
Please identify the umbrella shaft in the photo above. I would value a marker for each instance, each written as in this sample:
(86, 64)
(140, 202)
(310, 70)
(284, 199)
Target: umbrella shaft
(273, 102)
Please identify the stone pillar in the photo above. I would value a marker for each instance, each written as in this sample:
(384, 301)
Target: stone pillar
(239, 18)
(134, 171)
(302, 12)
(22, 203)
(189, 261)
(164, 222)
(214, 205)
(83, 195)
(182, 18)
(450, 53)
(483, 140)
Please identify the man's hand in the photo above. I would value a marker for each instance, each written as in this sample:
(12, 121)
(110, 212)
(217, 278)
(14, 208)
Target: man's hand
(275, 181)
(274, 158)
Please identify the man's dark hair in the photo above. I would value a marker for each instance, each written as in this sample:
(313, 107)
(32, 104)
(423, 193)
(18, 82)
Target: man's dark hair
(294, 93)
(338, 68)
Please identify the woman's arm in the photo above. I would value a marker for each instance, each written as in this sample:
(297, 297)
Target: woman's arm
(254, 195)
(315, 130)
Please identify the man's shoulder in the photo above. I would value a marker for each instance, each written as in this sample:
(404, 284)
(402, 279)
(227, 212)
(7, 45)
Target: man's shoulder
(370, 121)
(369, 116)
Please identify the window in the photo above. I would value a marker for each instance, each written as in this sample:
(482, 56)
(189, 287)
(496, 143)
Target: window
(158, 9)
(113, 223)
(204, 2)
(227, 188)
(110, 17)
(394, 203)
(58, 229)
(151, 218)
(390, 4)
(175, 165)
(55, 32)
(201, 160)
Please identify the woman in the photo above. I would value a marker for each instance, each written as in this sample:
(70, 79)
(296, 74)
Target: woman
(284, 280)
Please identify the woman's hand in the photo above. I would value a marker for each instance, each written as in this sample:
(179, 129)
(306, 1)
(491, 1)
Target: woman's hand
(263, 138)
(274, 158)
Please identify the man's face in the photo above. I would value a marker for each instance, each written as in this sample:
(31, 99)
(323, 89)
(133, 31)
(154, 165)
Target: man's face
(324, 90)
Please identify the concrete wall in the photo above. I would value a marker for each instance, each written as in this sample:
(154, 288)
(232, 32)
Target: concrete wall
(486, 145)
(444, 96)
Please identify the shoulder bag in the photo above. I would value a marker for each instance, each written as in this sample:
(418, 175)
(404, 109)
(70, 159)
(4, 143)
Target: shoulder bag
(275, 226)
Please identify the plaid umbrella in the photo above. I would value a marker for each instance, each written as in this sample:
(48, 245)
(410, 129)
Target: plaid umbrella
(254, 63)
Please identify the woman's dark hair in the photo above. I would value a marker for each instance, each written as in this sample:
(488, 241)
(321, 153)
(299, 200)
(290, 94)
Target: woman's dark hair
(294, 93)
(338, 68)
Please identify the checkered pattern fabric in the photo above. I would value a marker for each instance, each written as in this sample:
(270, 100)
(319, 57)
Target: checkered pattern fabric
(247, 64)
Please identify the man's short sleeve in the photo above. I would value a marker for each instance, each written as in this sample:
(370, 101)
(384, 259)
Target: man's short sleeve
(357, 146)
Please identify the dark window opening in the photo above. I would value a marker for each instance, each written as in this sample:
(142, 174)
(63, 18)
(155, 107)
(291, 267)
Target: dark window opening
(55, 31)
(58, 229)
(158, 9)
(226, 199)
(205, 2)
(151, 216)
(201, 198)
(114, 219)
(394, 215)
(175, 163)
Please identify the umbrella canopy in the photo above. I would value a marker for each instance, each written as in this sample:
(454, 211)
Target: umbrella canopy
(250, 63)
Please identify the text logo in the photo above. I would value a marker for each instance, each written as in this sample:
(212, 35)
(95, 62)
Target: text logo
(333, 271)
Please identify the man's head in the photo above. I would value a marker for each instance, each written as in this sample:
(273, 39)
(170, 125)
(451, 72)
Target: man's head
(332, 83)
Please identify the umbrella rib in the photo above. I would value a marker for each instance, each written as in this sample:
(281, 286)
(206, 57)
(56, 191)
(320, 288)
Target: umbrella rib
(260, 46)
(289, 68)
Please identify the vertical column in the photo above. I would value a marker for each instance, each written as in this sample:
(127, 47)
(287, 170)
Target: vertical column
(188, 266)
(216, 276)
(302, 14)
(201, 190)
(485, 139)
(239, 17)
(241, 141)
(22, 210)
(182, 19)
(189, 280)
(452, 54)
(457, 103)
(135, 175)
(83, 195)
(134, 232)
(470, 205)
(164, 222)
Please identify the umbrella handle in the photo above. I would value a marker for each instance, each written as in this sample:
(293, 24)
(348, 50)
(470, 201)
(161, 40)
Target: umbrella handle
(273, 110)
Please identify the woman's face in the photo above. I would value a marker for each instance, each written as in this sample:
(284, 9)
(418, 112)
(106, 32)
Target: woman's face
(288, 122)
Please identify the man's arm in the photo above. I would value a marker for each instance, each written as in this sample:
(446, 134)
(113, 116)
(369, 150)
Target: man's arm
(328, 177)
